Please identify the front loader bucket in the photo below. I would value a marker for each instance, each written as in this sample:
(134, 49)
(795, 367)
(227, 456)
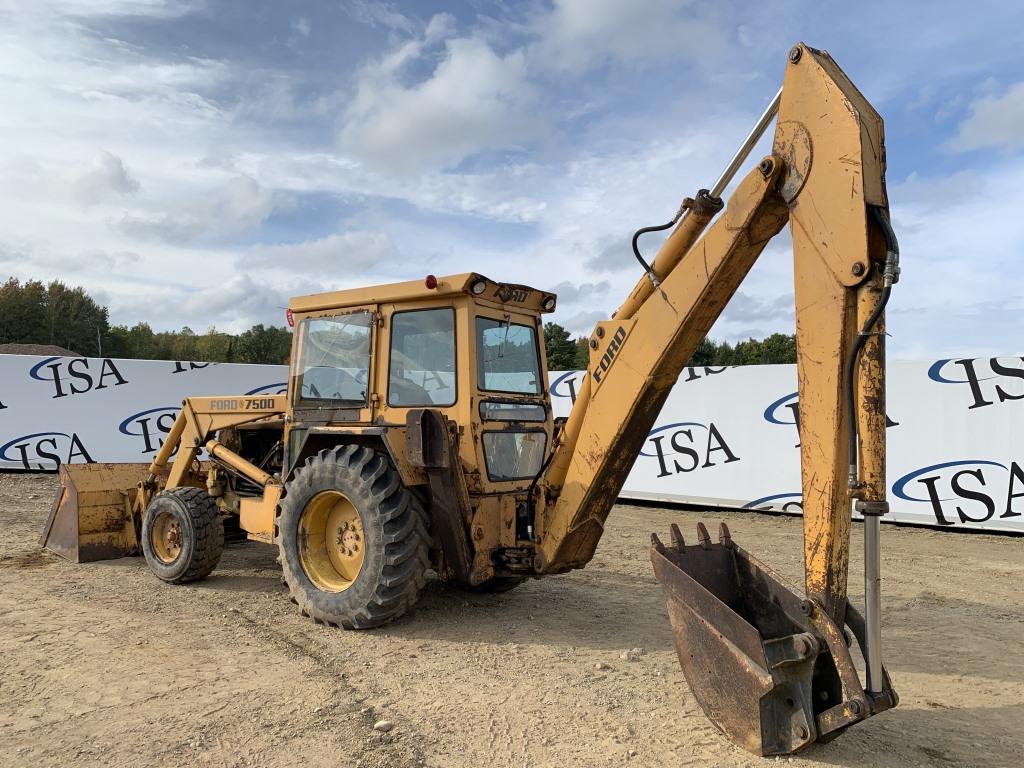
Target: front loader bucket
(768, 667)
(91, 518)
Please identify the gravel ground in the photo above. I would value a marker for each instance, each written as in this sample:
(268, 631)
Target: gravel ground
(102, 664)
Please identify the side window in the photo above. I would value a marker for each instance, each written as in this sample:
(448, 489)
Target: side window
(422, 364)
(333, 362)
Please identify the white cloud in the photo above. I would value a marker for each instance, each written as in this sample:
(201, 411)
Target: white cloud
(474, 99)
(579, 34)
(581, 323)
(571, 293)
(995, 121)
(238, 205)
(151, 8)
(380, 14)
(355, 250)
(108, 176)
(302, 26)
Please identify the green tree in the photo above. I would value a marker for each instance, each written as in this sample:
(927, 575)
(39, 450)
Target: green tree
(213, 347)
(582, 362)
(705, 354)
(779, 348)
(73, 319)
(259, 344)
(183, 346)
(560, 349)
(22, 312)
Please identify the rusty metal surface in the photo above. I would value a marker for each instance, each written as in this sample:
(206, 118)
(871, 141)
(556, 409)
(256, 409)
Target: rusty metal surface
(91, 517)
(431, 445)
(768, 667)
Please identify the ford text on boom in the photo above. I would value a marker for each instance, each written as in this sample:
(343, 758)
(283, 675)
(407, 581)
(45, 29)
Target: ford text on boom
(244, 404)
(609, 354)
(77, 375)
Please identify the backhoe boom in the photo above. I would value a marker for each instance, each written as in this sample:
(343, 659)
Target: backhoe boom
(768, 665)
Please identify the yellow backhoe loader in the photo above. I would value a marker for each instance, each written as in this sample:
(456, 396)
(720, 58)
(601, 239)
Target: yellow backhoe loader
(417, 434)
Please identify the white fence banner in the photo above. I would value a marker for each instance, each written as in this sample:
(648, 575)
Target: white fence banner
(726, 436)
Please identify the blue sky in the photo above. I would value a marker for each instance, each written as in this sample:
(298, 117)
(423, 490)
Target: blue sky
(199, 162)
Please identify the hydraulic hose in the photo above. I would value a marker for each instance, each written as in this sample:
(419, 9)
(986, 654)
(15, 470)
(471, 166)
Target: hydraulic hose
(661, 228)
(531, 504)
(890, 276)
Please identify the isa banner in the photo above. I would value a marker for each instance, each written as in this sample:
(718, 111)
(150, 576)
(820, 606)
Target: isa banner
(731, 437)
(726, 436)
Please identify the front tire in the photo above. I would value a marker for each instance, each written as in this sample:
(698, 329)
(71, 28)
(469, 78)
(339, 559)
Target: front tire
(353, 539)
(182, 535)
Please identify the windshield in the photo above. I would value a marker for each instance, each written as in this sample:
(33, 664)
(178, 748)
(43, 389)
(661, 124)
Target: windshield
(507, 357)
(334, 359)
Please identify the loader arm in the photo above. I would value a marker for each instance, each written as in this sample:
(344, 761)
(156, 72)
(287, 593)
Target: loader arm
(825, 176)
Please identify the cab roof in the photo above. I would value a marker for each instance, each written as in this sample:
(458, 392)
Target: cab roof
(468, 283)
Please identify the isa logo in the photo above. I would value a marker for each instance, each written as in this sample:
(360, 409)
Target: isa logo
(45, 450)
(567, 385)
(792, 503)
(150, 426)
(77, 375)
(968, 490)
(270, 389)
(990, 381)
(686, 446)
(184, 366)
(786, 412)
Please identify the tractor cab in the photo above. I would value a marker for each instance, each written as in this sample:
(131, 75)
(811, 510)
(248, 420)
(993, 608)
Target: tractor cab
(368, 362)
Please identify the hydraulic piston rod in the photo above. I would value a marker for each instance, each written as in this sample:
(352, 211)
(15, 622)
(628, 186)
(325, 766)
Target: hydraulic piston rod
(748, 144)
(873, 601)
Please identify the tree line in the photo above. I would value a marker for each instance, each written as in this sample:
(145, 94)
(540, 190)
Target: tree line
(566, 354)
(36, 313)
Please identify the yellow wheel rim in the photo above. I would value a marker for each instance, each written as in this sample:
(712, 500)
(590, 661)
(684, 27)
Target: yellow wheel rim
(165, 537)
(331, 542)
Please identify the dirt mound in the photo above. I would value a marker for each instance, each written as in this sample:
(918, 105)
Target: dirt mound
(36, 349)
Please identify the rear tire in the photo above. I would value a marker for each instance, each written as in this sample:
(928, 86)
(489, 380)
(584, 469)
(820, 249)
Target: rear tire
(182, 535)
(361, 580)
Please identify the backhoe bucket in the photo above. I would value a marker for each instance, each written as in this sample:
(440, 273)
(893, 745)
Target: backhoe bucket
(768, 667)
(91, 518)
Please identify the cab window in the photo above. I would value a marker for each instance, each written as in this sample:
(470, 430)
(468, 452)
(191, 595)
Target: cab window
(515, 455)
(333, 364)
(507, 357)
(422, 364)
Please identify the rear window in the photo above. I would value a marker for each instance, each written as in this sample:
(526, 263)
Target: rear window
(507, 357)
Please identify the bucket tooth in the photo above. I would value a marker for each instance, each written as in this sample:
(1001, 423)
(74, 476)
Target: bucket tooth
(91, 517)
(677, 538)
(702, 536)
(724, 538)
